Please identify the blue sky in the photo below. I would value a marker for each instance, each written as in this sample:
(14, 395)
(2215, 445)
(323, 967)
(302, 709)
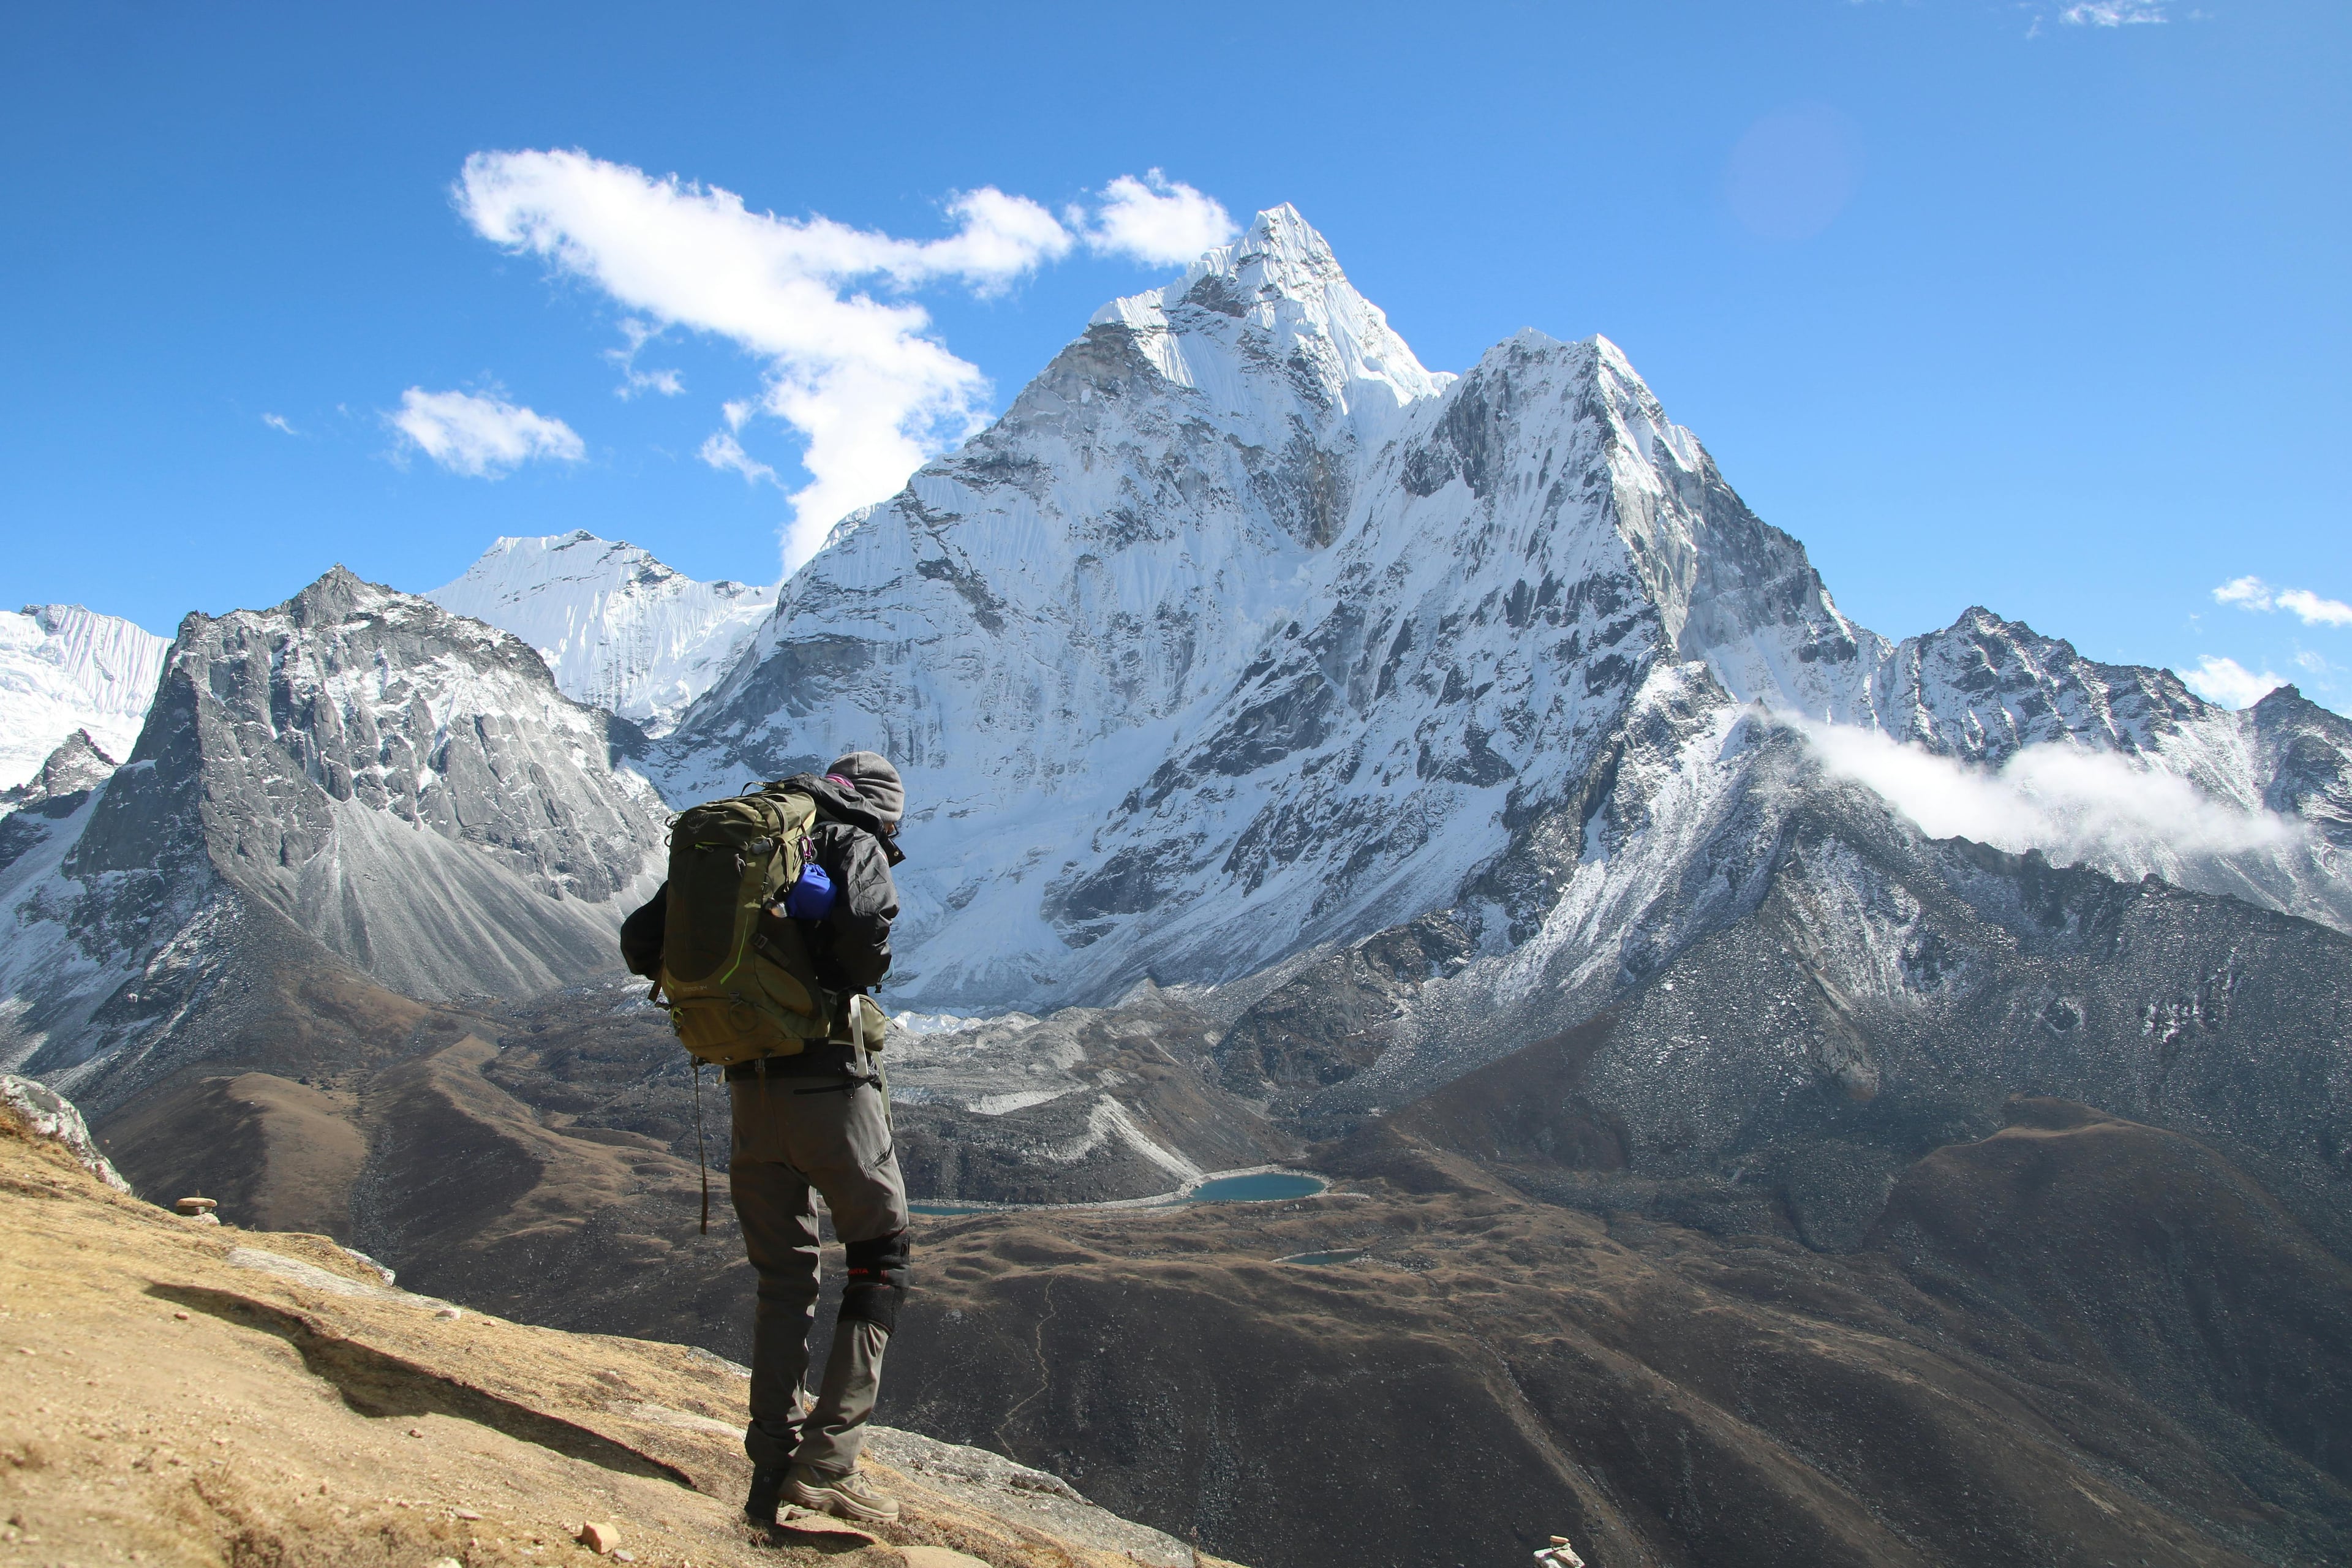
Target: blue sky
(2037, 305)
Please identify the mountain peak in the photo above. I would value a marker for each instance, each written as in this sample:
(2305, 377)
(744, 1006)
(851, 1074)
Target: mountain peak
(1275, 298)
(619, 629)
(338, 594)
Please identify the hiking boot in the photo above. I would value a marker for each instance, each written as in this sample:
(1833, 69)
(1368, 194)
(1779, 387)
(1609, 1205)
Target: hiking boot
(767, 1490)
(845, 1496)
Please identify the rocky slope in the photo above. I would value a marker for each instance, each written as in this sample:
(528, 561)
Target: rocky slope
(620, 631)
(64, 669)
(196, 1394)
(355, 784)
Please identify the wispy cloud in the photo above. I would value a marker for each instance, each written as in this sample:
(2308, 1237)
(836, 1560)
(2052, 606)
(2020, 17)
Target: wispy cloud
(2230, 683)
(482, 437)
(724, 452)
(667, 383)
(2113, 13)
(2253, 593)
(2072, 803)
(280, 422)
(1154, 219)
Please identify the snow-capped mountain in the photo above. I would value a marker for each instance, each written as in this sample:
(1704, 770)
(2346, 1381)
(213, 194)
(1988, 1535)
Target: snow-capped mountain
(64, 669)
(356, 782)
(1243, 632)
(621, 631)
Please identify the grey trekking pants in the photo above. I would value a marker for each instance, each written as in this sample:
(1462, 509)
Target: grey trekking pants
(788, 1145)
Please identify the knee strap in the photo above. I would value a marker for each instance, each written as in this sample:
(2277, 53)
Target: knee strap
(879, 1272)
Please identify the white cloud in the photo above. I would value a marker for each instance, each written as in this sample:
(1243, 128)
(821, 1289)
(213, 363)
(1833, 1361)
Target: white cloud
(2315, 610)
(1154, 219)
(864, 379)
(2247, 592)
(2253, 593)
(667, 383)
(859, 377)
(482, 437)
(2112, 13)
(723, 452)
(2230, 683)
(280, 422)
(2072, 803)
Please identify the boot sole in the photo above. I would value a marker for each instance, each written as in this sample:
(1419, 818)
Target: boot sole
(840, 1507)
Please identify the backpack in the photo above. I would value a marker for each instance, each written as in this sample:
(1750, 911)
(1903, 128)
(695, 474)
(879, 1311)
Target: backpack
(740, 987)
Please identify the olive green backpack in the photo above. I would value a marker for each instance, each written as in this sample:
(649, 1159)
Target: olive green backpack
(738, 987)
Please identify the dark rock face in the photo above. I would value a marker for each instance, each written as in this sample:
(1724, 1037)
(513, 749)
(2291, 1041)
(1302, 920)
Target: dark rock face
(2306, 752)
(1885, 994)
(2191, 1012)
(1330, 1020)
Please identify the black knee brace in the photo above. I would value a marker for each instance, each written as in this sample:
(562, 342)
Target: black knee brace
(878, 1270)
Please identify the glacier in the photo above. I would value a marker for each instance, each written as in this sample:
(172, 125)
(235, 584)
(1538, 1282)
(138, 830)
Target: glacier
(65, 668)
(620, 631)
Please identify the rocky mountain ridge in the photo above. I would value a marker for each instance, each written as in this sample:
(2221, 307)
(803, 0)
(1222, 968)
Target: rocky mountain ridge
(357, 776)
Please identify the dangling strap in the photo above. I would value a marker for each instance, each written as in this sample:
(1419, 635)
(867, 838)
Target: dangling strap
(702, 1155)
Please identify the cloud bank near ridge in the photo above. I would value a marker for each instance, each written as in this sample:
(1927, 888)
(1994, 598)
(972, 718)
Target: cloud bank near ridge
(2073, 805)
(864, 382)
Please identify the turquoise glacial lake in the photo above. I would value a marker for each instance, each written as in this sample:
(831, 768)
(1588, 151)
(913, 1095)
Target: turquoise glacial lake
(1265, 1187)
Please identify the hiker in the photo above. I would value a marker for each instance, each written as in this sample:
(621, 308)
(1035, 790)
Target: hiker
(811, 1114)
